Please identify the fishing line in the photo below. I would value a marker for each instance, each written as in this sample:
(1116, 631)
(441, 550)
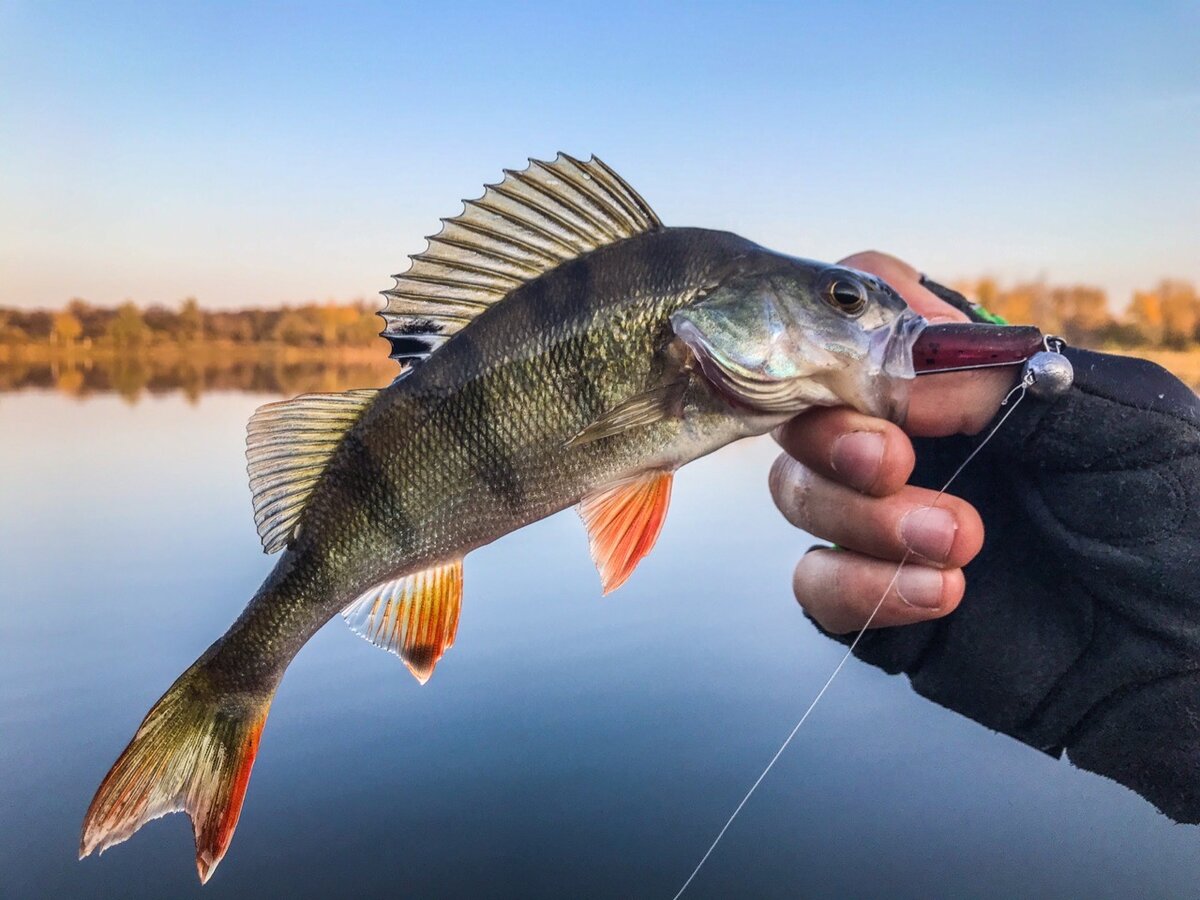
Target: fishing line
(1020, 390)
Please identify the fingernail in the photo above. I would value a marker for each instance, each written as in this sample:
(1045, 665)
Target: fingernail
(856, 457)
(920, 586)
(929, 532)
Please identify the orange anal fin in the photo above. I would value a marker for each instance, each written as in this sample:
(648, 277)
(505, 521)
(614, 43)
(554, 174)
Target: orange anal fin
(415, 617)
(623, 522)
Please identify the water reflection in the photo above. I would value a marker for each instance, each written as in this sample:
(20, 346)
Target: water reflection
(132, 377)
(283, 371)
(567, 746)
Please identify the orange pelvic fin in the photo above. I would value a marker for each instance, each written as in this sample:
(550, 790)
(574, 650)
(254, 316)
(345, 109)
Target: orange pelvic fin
(415, 617)
(623, 522)
(193, 752)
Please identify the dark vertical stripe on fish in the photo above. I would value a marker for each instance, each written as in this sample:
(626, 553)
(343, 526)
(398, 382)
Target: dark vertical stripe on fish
(492, 461)
(367, 492)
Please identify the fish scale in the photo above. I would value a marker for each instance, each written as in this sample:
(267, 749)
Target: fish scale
(493, 402)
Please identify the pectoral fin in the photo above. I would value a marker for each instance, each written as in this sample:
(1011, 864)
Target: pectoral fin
(623, 522)
(647, 408)
(415, 617)
(662, 401)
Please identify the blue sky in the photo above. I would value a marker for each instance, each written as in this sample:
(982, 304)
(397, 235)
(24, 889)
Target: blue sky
(286, 152)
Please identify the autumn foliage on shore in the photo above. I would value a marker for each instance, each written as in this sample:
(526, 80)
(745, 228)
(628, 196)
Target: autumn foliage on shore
(1165, 316)
(83, 348)
(131, 328)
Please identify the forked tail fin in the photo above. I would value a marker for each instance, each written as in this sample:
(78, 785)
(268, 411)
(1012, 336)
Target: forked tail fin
(193, 752)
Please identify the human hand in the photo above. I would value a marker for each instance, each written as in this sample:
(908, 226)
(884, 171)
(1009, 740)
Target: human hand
(1080, 626)
(843, 478)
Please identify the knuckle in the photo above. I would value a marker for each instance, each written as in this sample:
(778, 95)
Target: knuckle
(791, 483)
(778, 475)
(869, 261)
(824, 587)
(808, 436)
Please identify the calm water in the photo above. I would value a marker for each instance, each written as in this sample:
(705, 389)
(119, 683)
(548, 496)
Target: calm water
(567, 746)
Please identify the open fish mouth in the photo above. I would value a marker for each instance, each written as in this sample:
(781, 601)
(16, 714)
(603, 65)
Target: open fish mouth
(880, 382)
(890, 370)
(891, 351)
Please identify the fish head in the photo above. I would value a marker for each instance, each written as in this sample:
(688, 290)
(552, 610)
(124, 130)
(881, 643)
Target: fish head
(802, 334)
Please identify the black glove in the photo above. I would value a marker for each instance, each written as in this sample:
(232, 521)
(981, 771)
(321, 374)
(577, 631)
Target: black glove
(1080, 628)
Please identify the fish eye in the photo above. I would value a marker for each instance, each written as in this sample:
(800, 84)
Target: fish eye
(847, 296)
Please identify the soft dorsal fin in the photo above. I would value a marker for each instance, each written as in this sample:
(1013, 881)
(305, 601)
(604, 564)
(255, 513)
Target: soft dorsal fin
(415, 617)
(623, 522)
(526, 225)
(288, 445)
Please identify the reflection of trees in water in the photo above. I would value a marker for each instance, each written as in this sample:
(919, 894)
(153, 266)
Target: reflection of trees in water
(69, 381)
(132, 376)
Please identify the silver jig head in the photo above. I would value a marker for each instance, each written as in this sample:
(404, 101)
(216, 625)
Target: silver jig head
(1048, 375)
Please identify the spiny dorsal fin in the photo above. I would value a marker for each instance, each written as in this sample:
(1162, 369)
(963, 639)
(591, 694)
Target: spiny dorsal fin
(415, 617)
(623, 522)
(288, 445)
(526, 225)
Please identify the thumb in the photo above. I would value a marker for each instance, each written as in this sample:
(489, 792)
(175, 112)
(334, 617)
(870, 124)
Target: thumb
(958, 402)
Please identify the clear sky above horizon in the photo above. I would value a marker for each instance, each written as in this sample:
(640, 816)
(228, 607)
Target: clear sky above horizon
(281, 152)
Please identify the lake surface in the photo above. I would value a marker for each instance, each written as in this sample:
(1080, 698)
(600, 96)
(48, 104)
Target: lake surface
(568, 745)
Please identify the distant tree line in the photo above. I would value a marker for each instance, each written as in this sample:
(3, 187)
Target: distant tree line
(1166, 316)
(129, 327)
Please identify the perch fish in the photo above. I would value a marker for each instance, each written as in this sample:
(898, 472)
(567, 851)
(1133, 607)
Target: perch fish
(559, 347)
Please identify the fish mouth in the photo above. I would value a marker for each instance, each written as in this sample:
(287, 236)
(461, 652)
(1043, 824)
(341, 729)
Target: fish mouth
(891, 351)
(880, 386)
(890, 371)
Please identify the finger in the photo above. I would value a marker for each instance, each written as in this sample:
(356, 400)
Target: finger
(873, 455)
(906, 281)
(870, 455)
(840, 589)
(957, 402)
(942, 530)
